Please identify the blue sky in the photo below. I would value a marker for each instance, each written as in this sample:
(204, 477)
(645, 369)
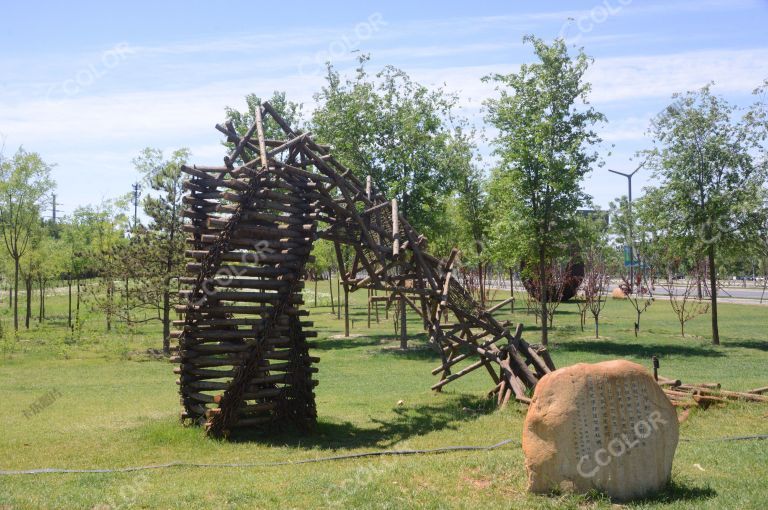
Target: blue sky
(89, 84)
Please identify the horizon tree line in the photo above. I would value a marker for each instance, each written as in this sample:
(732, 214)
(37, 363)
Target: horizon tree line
(518, 213)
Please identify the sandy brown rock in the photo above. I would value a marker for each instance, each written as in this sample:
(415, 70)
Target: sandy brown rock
(605, 426)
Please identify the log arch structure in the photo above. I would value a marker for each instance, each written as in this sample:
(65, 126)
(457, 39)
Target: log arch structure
(243, 355)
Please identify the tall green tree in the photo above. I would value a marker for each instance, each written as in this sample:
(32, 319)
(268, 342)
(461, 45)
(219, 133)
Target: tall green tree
(703, 153)
(544, 145)
(397, 131)
(24, 184)
(163, 238)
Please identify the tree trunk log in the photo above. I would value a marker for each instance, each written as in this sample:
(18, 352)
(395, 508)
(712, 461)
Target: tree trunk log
(543, 295)
(166, 317)
(16, 294)
(28, 314)
(69, 313)
(713, 293)
(403, 326)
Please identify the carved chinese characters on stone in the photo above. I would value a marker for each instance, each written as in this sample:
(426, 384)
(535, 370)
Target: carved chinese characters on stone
(606, 426)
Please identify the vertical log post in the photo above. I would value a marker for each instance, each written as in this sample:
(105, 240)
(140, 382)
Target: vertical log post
(260, 134)
(396, 253)
(403, 327)
(330, 287)
(346, 309)
(370, 292)
(395, 230)
(376, 306)
(345, 275)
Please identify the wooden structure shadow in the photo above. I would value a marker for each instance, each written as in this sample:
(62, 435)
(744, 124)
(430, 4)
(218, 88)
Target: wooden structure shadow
(243, 355)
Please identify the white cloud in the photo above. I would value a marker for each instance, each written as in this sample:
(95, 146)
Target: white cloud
(626, 129)
(171, 95)
(626, 78)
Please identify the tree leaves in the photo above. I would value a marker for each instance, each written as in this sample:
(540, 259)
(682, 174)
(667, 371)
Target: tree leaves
(545, 131)
(398, 132)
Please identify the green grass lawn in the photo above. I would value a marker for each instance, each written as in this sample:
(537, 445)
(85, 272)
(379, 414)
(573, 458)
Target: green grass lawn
(114, 405)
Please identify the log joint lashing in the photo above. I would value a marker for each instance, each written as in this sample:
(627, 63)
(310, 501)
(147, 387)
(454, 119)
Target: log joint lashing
(243, 352)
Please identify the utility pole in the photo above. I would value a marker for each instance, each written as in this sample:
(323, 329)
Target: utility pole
(631, 242)
(54, 216)
(136, 188)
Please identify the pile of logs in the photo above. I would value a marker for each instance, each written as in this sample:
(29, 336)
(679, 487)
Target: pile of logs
(705, 394)
(243, 354)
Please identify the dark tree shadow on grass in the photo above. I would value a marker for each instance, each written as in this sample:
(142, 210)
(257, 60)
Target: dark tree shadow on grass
(672, 493)
(408, 422)
(634, 350)
(760, 345)
(383, 344)
(679, 491)
(417, 352)
(327, 344)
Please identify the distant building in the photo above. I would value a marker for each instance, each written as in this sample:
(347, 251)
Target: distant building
(595, 214)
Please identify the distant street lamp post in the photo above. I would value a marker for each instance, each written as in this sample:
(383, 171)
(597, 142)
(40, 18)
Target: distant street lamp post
(136, 187)
(631, 243)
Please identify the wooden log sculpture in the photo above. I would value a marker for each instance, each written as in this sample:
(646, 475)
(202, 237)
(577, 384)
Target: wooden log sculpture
(243, 354)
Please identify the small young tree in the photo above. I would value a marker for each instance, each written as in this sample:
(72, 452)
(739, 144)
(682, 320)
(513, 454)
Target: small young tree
(139, 298)
(532, 302)
(545, 131)
(558, 278)
(595, 284)
(52, 266)
(580, 300)
(653, 248)
(639, 293)
(108, 224)
(24, 184)
(74, 236)
(682, 298)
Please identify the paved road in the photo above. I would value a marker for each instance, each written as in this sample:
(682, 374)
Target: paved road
(750, 292)
(735, 294)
